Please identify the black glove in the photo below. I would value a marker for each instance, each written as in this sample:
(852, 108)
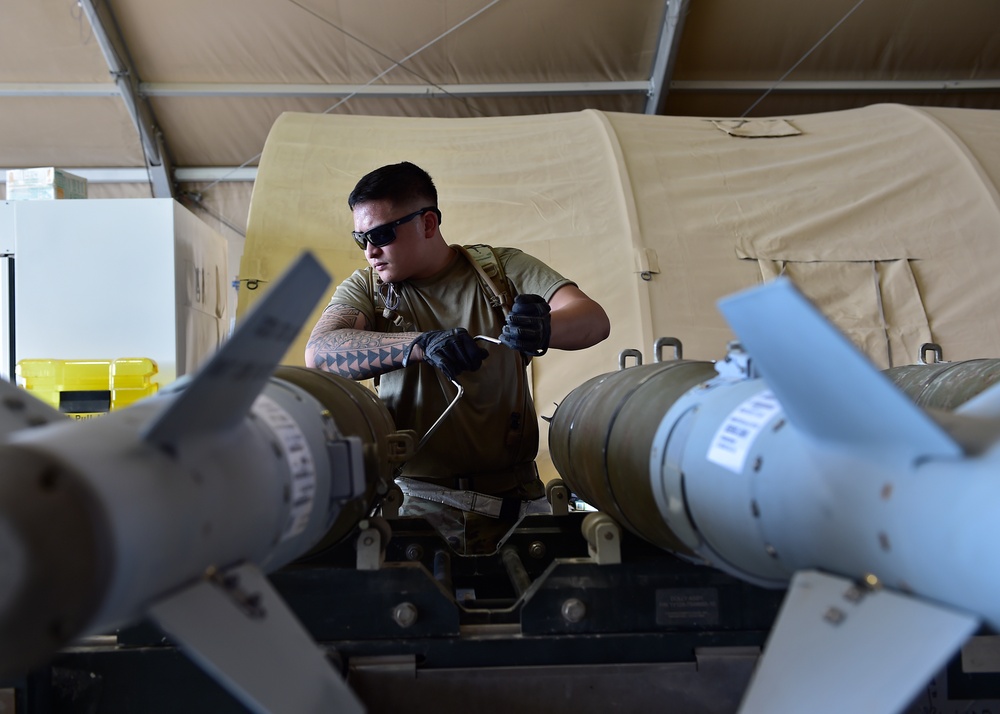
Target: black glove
(529, 326)
(451, 351)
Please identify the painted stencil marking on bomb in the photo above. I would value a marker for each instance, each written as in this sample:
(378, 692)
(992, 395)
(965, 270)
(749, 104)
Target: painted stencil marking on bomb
(239, 370)
(301, 466)
(738, 431)
(277, 330)
(271, 330)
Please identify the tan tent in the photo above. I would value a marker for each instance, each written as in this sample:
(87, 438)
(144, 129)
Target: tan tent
(887, 216)
(171, 98)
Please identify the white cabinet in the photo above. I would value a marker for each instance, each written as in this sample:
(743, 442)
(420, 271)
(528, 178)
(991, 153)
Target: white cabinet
(111, 278)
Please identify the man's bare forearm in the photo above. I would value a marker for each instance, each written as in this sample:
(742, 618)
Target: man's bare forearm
(339, 343)
(577, 321)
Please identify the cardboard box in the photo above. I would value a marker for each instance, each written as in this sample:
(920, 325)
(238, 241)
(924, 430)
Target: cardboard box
(44, 183)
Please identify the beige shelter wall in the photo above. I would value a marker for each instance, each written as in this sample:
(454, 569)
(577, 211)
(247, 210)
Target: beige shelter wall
(48, 41)
(192, 122)
(352, 41)
(92, 132)
(673, 179)
(227, 43)
(889, 39)
(886, 216)
(224, 208)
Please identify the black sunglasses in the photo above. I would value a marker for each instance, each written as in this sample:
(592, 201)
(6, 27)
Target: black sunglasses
(386, 233)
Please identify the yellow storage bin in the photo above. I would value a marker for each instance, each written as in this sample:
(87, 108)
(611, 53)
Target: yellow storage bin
(88, 388)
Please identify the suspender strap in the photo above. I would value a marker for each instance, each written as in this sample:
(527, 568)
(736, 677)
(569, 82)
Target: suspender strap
(501, 293)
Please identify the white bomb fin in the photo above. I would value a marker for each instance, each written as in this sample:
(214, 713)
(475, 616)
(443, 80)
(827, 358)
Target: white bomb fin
(851, 650)
(827, 387)
(221, 393)
(986, 404)
(238, 629)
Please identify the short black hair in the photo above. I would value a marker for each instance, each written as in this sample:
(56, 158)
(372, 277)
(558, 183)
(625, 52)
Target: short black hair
(401, 183)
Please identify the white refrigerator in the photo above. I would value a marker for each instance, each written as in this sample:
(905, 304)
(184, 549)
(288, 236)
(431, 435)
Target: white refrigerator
(108, 279)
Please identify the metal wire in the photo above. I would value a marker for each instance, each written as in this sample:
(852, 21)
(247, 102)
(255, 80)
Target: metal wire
(394, 65)
(802, 58)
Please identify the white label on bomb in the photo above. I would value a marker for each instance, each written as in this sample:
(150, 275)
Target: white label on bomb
(301, 467)
(732, 442)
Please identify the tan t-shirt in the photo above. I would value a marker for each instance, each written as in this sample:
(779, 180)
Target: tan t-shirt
(493, 427)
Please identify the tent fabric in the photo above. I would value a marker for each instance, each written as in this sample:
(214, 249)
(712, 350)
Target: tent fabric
(533, 47)
(886, 216)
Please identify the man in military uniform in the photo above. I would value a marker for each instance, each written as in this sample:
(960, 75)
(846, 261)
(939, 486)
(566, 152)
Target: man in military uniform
(411, 320)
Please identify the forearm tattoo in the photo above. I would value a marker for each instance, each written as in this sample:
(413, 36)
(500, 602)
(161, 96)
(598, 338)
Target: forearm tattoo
(339, 344)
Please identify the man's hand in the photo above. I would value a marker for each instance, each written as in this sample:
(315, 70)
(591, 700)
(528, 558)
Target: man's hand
(528, 326)
(451, 351)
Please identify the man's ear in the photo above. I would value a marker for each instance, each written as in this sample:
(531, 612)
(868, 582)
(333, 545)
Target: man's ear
(431, 223)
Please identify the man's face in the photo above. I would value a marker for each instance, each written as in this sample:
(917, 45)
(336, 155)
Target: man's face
(402, 258)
